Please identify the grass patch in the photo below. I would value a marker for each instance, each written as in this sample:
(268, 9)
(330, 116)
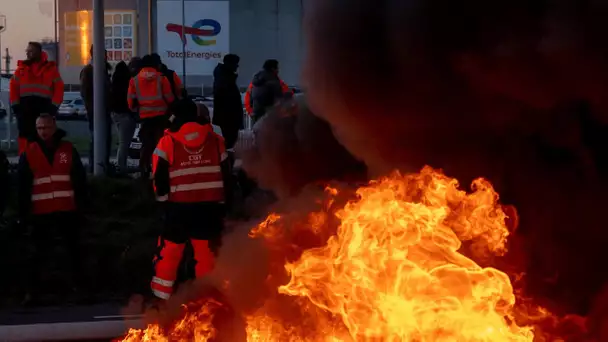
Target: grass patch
(118, 238)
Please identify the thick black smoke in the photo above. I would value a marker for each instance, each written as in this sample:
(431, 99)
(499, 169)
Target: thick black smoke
(511, 90)
(294, 148)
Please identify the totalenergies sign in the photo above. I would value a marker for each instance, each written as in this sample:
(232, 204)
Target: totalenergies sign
(197, 31)
(202, 39)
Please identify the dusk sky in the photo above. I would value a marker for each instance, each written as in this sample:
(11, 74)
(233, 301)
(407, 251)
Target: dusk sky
(27, 20)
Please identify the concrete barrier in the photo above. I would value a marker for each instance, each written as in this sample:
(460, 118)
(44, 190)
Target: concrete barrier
(68, 331)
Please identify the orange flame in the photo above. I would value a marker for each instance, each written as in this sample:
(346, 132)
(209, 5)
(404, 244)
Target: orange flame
(396, 270)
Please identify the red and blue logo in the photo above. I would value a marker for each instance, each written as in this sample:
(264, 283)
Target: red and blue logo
(204, 28)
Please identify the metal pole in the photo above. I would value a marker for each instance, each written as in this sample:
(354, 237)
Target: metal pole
(184, 43)
(56, 34)
(99, 89)
(9, 111)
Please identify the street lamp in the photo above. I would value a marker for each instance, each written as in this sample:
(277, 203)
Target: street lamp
(2, 29)
(8, 117)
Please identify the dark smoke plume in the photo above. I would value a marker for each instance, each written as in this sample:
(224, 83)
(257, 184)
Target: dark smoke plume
(511, 90)
(294, 148)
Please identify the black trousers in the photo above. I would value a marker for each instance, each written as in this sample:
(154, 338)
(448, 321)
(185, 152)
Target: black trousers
(55, 262)
(200, 221)
(230, 134)
(151, 131)
(26, 124)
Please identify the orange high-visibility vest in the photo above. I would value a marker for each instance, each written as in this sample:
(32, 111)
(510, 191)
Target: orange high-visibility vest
(52, 189)
(40, 80)
(195, 174)
(153, 97)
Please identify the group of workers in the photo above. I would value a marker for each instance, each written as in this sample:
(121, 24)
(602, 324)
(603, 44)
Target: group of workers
(189, 163)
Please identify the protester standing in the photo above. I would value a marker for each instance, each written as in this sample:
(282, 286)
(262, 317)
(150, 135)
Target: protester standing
(150, 94)
(51, 192)
(227, 102)
(265, 90)
(36, 87)
(190, 166)
(123, 117)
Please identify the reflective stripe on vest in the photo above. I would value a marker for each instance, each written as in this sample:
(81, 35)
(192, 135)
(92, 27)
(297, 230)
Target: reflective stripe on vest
(197, 186)
(194, 171)
(34, 89)
(159, 91)
(147, 109)
(51, 178)
(196, 176)
(51, 195)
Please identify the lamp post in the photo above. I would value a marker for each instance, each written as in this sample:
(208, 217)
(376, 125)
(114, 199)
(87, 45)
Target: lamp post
(56, 22)
(184, 43)
(9, 113)
(100, 74)
(2, 29)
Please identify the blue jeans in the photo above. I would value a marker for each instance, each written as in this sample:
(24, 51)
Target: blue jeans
(125, 125)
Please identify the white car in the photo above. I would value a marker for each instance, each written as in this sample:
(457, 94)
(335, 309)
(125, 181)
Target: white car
(72, 109)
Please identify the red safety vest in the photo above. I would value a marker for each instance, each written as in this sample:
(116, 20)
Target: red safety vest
(195, 174)
(52, 189)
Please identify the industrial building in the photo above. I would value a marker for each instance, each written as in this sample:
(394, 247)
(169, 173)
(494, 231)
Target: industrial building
(255, 30)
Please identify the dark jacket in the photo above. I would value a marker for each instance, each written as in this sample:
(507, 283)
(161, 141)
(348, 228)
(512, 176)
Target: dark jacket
(26, 177)
(118, 94)
(227, 102)
(86, 86)
(266, 91)
(170, 75)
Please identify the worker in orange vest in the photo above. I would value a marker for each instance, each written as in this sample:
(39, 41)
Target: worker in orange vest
(51, 189)
(150, 94)
(35, 88)
(190, 167)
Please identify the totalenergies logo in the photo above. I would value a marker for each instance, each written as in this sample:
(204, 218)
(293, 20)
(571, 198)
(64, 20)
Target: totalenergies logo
(201, 28)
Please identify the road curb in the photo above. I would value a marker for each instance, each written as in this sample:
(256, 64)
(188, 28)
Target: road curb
(69, 331)
(132, 162)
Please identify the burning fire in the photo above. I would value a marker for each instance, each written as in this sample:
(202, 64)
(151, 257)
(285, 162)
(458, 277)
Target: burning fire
(400, 267)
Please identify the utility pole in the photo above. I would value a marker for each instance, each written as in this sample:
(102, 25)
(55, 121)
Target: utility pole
(184, 79)
(2, 29)
(56, 8)
(10, 114)
(99, 89)
(7, 61)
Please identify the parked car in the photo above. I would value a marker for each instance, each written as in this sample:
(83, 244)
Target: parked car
(72, 109)
(3, 110)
